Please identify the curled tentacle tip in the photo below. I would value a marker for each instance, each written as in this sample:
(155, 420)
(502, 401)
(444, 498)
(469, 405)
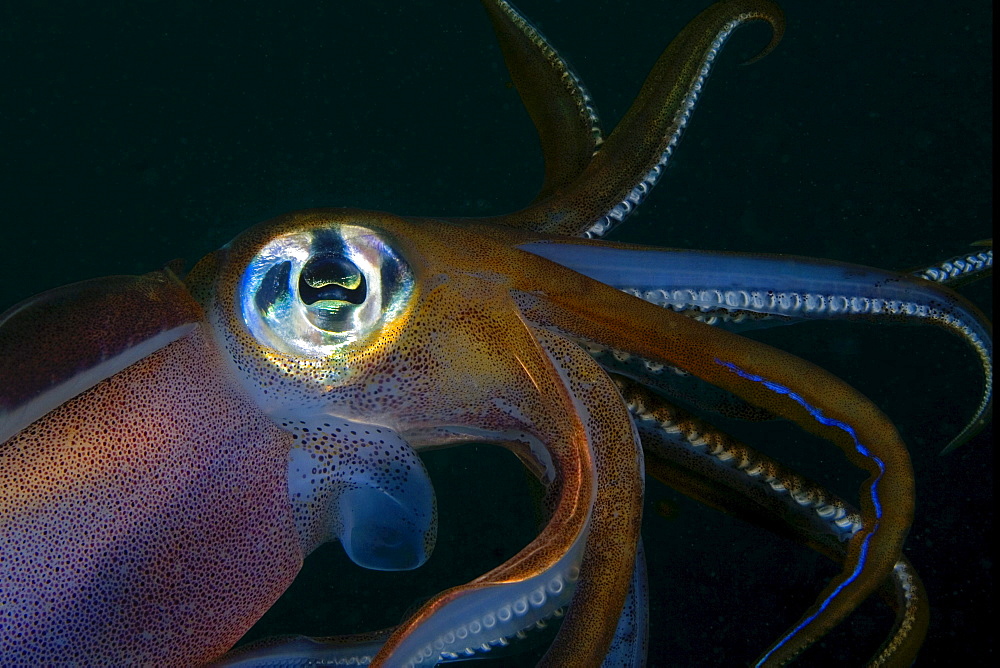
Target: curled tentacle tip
(770, 12)
(967, 434)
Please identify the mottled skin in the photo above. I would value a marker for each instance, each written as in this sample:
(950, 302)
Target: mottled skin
(657, 334)
(122, 312)
(478, 275)
(578, 192)
(464, 358)
(171, 459)
(119, 541)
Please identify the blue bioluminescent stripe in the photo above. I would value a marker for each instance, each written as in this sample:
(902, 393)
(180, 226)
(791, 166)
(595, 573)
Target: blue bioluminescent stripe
(817, 415)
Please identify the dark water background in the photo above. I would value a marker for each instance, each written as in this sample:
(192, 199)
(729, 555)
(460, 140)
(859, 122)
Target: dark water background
(134, 133)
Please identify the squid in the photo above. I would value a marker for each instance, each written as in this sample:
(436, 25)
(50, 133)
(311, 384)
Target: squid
(175, 445)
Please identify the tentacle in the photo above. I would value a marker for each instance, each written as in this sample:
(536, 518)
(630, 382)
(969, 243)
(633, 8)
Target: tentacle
(961, 269)
(629, 647)
(736, 286)
(559, 105)
(448, 347)
(677, 384)
(304, 652)
(903, 643)
(819, 403)
(410, 331)
(714, 468)
(631, 160)
(595, 561)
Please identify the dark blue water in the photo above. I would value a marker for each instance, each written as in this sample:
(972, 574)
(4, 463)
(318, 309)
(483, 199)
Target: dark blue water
(135, 133)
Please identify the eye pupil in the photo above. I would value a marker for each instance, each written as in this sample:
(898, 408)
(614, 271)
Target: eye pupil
(332, 289)
(331, 278)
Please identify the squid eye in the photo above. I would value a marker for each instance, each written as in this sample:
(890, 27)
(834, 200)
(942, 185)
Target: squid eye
(317, 291)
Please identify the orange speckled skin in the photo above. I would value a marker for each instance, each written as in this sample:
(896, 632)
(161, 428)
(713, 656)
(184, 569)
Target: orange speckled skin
(464, 357)
(168, 482)
(598, 313)
(463, 342)
(128, 310)
(164, 556)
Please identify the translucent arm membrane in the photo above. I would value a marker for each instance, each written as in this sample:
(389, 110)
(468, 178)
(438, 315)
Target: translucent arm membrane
(786, 287)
